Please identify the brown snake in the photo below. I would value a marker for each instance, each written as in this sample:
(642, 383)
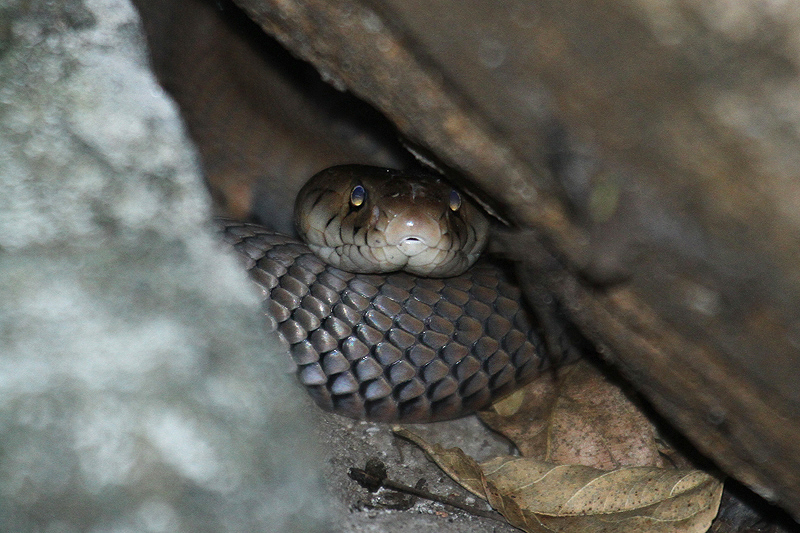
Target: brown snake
(392, 346)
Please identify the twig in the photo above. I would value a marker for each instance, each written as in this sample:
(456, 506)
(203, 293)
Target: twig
(374, 477)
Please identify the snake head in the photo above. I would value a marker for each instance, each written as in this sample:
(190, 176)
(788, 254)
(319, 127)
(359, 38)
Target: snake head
(368, 220)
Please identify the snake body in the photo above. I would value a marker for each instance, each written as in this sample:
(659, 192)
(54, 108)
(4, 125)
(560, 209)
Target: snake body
(391, 346)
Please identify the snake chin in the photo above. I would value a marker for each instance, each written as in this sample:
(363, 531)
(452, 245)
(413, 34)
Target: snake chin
(421, 261)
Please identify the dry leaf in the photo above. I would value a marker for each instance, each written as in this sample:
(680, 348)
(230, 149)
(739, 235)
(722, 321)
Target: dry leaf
(538, 496)
(578, 418)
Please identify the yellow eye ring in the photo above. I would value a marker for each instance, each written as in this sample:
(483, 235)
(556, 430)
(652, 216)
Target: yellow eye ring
(357, 196)
(455, 200)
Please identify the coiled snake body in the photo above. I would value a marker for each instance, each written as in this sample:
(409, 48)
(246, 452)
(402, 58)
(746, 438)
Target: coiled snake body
(391, 346)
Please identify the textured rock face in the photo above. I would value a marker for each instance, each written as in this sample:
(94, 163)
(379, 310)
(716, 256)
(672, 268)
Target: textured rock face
(138, 389)
(264, 121)
(652, 147)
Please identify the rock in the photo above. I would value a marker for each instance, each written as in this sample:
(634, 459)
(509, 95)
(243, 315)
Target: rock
(140, 392)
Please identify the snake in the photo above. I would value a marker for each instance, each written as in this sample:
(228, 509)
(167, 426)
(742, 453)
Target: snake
(389, 312)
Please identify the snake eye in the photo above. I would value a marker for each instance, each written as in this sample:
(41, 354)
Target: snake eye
(455, 200)
(357, 196)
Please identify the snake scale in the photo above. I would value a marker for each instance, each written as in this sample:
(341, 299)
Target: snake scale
(392, 346)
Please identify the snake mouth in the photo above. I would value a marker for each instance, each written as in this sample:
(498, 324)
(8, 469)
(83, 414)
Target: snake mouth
(411, 246)
(413, 232)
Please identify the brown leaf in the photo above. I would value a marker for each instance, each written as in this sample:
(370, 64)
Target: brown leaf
(538, 496)
(578, 418)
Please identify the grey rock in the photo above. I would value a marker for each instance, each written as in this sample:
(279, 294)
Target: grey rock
(140, 392)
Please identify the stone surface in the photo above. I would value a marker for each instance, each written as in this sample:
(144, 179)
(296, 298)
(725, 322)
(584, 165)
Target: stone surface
(264, 120)
(351, 443)
(139, 390)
